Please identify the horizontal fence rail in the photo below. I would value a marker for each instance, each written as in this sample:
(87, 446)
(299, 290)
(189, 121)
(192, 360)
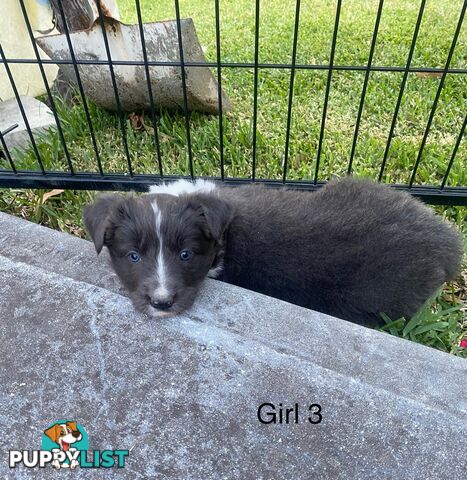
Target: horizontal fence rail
(12, 175)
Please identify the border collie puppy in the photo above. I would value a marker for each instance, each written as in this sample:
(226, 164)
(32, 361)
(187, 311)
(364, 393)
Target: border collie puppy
(353, 249)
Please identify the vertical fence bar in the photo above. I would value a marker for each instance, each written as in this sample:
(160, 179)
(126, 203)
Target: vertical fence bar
(80, 87)
(438, 94)
(291, 87)
(5, 146)
(365, 85)
(219, 87)
(328, 88)
(47, 88)
(148, 79)
(454, 153)
(185, 97)
(402, 88)
(115, 88)
(255, 90)
(21, 108)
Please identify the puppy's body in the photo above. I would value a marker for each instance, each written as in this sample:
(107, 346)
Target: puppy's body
(353, 249)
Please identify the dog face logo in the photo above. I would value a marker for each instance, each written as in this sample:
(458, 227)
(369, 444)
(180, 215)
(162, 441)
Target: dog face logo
(67, 436)
(64, 434)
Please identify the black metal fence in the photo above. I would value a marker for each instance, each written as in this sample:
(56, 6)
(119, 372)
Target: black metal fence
(12, 176)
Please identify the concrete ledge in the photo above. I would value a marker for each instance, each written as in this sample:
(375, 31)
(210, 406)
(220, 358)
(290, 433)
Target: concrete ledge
(40, 120)
(184, 392)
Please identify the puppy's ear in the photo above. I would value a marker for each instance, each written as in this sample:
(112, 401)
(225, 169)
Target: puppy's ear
(218, 214)
(97, 218)
(72, 425)
(53, 432)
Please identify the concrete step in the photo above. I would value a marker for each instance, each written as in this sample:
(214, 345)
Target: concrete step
(40, 119)
(183, 393)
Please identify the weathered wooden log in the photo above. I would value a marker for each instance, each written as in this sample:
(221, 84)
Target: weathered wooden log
(78, 14)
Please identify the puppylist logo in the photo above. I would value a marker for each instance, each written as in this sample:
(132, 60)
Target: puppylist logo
(65, 445)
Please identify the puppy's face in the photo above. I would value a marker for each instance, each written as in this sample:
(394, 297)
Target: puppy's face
(64, 434)
(162, 246)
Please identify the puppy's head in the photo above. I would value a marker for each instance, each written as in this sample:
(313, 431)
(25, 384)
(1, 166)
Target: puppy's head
(162, 246)
(64, 434)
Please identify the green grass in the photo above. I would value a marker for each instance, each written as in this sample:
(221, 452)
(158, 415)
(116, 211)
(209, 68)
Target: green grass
(441, 323)
(441, 330)
(276, 33)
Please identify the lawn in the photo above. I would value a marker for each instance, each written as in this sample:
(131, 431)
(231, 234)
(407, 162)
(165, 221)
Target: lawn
(276, 24)
(357, 18)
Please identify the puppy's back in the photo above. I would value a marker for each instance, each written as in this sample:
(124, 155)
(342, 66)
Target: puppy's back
(353, 249)
(406, 224)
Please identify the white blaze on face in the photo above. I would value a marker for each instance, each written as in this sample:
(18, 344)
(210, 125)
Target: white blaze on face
(161, 291)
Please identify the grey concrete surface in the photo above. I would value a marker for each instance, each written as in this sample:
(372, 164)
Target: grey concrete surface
(183, 393)
(40, 119)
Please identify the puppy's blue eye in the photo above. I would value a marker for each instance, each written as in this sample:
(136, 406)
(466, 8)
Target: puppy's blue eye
(134, 257)
(186, 255)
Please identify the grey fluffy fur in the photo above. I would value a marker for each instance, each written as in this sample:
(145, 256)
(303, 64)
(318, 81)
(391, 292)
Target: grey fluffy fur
(353, 250)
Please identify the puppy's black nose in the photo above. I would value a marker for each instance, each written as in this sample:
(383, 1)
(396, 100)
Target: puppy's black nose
(162, 303)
